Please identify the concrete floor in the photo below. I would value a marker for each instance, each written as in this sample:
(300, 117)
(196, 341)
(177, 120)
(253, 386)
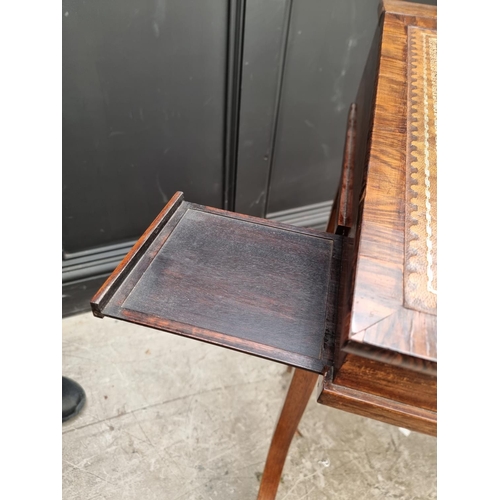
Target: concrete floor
(171, 418)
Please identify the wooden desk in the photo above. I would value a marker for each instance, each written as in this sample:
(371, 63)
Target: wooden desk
(356, 305)
(386, 357)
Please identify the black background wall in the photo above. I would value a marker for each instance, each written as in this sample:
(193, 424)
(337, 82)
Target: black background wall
(241, 104)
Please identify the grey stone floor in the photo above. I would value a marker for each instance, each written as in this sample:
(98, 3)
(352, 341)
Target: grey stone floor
(171, 418)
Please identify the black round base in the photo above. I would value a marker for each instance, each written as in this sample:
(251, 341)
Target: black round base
(73, 398)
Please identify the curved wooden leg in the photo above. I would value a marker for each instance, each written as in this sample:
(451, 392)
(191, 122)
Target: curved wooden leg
(299, 392)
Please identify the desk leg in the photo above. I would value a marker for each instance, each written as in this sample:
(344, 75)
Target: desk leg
(299, 392)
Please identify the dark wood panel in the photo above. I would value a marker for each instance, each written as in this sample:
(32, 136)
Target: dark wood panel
(236, 278)
(236, 281)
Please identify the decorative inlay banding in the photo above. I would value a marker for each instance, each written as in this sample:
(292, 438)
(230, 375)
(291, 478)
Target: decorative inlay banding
(420, 273)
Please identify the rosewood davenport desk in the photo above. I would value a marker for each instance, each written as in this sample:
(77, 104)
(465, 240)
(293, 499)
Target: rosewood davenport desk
(353, 309)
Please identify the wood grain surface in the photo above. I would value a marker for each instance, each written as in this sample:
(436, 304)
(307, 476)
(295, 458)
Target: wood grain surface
(235, 281)
(372, 406)
(388, 381)
(379, 318)
(407, 8)
(110, 286)
(385, 356)
(340, 221)
(299, 392)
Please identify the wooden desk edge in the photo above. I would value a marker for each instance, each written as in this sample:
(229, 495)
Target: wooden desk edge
(378, 408)
(104, 294)
(406, 8)
(365, 332)
(420, 365)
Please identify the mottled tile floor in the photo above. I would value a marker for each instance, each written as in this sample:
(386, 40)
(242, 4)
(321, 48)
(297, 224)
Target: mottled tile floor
(172, 418)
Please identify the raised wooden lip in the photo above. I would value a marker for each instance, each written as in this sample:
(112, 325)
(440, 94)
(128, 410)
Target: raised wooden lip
(104, 294)
(105, 304)
(341, 216)
(224, 340)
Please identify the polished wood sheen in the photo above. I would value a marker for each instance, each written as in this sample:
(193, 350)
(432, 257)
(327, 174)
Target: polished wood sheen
(378, 286)
(389, 411)
(340, 220)
(299, 392)
(385, 362)
(420, 272)
(231, 280)
(342, 303)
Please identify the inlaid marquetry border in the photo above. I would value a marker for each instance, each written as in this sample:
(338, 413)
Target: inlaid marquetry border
(420, 272)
